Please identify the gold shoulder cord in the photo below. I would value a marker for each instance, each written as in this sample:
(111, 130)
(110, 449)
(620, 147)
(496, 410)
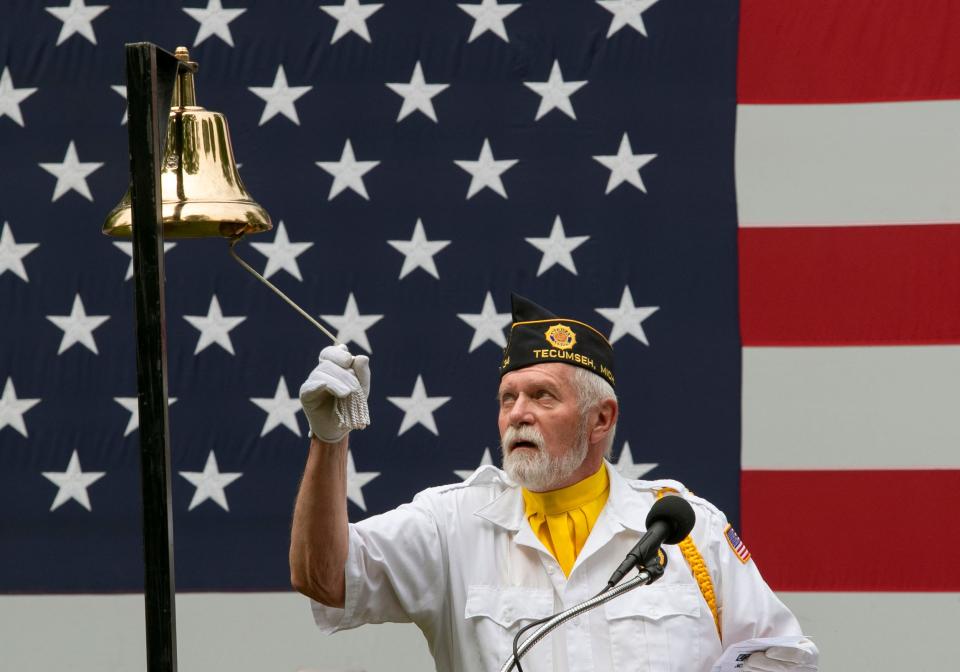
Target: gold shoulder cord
(699, 568)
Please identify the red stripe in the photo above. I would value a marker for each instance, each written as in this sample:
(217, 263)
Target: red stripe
(848, 51)
(876, 285)
(854, 530)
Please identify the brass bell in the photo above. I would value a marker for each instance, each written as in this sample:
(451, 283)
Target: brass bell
(203, 195)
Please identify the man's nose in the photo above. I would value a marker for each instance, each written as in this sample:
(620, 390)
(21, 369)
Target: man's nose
(521, 412)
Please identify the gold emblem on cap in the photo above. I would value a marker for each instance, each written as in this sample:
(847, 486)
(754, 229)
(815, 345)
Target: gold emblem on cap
(561, 336)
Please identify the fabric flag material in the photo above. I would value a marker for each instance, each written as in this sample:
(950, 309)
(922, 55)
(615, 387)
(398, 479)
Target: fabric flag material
(847, 165)
(421, 160)
(760, 213)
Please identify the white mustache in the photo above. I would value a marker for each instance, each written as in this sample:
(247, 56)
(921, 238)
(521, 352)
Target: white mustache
(522, 433)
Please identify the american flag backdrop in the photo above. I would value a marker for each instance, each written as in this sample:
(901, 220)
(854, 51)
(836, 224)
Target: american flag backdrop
(758, 210)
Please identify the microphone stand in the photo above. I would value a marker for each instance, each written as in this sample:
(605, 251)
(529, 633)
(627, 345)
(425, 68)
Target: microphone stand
(652, 571)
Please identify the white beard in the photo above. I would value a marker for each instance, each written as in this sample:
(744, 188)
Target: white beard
(538, 470)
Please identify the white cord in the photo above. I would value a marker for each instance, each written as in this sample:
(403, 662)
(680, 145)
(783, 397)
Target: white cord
(233, 253)
(352, 411)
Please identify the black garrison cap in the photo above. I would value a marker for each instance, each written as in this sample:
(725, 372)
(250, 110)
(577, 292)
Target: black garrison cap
(538, 336)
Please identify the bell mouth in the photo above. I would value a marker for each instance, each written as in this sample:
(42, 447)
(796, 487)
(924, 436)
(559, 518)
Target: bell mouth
(196, 219)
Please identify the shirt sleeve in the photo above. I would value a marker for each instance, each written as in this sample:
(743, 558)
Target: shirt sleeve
(748, 608)
(394, 571)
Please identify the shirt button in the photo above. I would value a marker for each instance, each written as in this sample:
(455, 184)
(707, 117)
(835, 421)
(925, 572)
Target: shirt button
(551, 570)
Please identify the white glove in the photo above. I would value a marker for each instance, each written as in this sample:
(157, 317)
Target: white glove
(802, 658)
(338, 375)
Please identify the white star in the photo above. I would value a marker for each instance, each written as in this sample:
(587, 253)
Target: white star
(210, 483)
(11, 97)
(464, 474)
(71, 174)
(72, 483)
(418, 251)
(78, 327)
(128, 250)
(628, 318)
(280, 98)
(132, 405)
(488, 15)
(625, 166)
(12, 409)
(352, 326)
(281, 254)
(417, 94)
(12, 253)
(486, 171)
(626, 13)
(77, 18)
(555, 93)
(351, 16)
(557, 248)
(418, 408)
(122, 90)
(488, 324)
(214, 20)
(626, 466)
(281, 409)
(347, 172)
(214, 327)
(356, 480)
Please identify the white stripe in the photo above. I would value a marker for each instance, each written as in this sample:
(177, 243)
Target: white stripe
(851, 408)
(880, 632)
(881, 163)
(243, 632)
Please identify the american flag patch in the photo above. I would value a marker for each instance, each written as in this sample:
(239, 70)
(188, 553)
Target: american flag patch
(736, 544)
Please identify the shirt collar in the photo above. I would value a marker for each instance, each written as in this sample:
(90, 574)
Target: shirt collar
(625, 505)
(506, 510)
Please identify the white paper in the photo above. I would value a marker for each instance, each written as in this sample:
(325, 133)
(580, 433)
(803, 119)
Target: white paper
(733, 658)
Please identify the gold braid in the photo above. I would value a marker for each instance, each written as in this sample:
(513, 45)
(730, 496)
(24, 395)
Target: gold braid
(699, 568)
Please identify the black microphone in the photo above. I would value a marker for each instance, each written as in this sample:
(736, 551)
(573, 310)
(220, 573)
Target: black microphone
(669, 522)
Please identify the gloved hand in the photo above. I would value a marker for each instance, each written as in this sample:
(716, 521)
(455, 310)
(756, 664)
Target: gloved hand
(338, 375)
(802, 658)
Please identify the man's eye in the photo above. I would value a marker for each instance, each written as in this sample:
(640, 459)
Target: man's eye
(543, 394)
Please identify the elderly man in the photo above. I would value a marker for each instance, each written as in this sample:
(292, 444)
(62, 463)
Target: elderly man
(473, 562)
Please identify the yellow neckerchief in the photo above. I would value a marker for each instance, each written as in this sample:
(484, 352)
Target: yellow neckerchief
(562, 519)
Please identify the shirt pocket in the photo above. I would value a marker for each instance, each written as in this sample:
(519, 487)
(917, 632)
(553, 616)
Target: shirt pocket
(656, 627)
(495, 614)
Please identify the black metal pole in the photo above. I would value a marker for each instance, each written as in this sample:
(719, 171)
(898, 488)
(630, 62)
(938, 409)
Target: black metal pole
(151, 75)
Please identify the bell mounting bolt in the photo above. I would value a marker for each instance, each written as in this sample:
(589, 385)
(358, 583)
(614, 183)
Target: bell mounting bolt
(185, 94)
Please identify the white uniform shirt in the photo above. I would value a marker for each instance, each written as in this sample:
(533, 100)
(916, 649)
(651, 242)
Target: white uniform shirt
(462, 563)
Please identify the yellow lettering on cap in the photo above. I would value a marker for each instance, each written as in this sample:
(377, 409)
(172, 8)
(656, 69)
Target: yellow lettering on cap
(607, 373)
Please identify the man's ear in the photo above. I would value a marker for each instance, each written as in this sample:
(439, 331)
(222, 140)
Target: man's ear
(607, 411)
